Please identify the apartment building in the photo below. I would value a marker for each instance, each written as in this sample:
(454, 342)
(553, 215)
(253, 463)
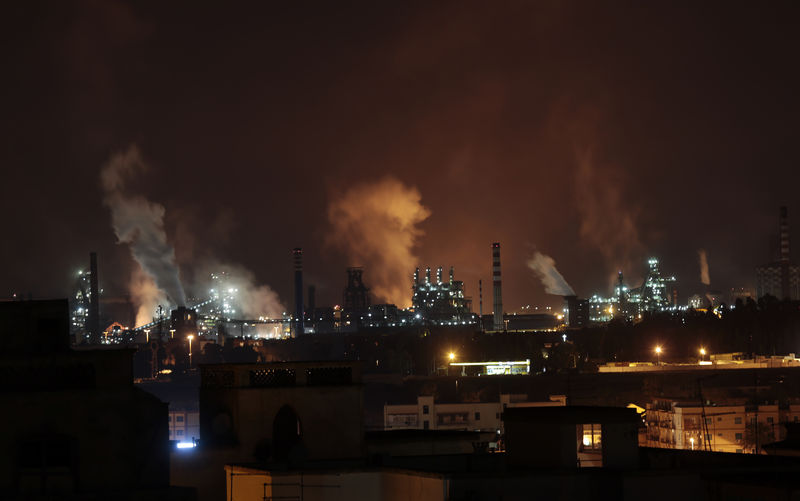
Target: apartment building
(426, 414)
(738, 428)
(184, 425)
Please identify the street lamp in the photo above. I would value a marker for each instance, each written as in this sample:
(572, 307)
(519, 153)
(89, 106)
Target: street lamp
(147, 335)
(702, 353)
(451, 356)
(658, 355)
(190, 337)
(172, 333)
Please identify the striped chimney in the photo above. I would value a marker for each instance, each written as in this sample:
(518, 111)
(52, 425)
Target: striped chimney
(498, 289)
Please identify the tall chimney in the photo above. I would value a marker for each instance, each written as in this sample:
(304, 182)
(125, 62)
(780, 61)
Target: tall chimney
(312, 300)
(784, 262)
(298, 291)
(784, 232)
(94, 301)
(498, 289)
(480, 302)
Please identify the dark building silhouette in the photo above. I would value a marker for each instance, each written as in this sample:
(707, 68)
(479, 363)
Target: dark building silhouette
(74, 426)
(285, 413)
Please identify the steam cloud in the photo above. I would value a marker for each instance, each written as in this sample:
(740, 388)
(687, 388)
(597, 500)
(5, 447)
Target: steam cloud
(146, 295)
(703, 260)
(140, 224)
(376, 224)
(545, 267)
(253, 300)
(606, 222)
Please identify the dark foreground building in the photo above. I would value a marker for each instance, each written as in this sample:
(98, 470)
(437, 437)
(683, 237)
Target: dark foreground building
(74, 426)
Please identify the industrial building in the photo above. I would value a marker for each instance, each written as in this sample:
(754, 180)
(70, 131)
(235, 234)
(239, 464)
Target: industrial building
(441, 302)
(781, 278)
(654, 295)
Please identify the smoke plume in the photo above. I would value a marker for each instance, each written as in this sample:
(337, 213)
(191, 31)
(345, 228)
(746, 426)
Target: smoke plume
(251, 300)
(607, 222)
(146, 295)
(703, 260)
(376, 224)
(140, 224)
(545, 267)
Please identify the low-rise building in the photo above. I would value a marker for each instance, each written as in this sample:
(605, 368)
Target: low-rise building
(426, 414)
(736, 428)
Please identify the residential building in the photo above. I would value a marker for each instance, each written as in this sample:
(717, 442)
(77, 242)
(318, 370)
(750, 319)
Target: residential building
(426, 414)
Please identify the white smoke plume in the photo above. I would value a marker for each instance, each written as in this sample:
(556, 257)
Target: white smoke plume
(545, 267)
(607, 221)
(702, 258)
(140, 224)
(146, 295)
(376, 224)
(252, 300)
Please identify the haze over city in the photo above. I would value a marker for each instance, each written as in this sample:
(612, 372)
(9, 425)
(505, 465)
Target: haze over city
(597, 135)
(440, 251)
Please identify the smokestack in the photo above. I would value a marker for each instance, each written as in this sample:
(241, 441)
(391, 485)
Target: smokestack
(452, 275)
(784, 232)
(416, 276)
(298, 291)
(312, 303)
(784, 262)
(498, 290)
(427, 276)
(480, 302)
(94, 301)
(439, 275)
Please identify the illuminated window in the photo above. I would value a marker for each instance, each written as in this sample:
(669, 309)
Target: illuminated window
(592, 437)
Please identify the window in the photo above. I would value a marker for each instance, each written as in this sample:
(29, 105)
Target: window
(425, 425)
(169, 419)
(719, 419)
(477, 416)
(770, 420)
(179, 419)
(708, 437)
(179, 433)
(592, 439)
(737, 420)
(739, 451)
(708, 420)
(425, 410)
(719, 434)
(738, 436)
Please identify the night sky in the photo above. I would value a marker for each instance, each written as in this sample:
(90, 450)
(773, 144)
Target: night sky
(598, 133)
